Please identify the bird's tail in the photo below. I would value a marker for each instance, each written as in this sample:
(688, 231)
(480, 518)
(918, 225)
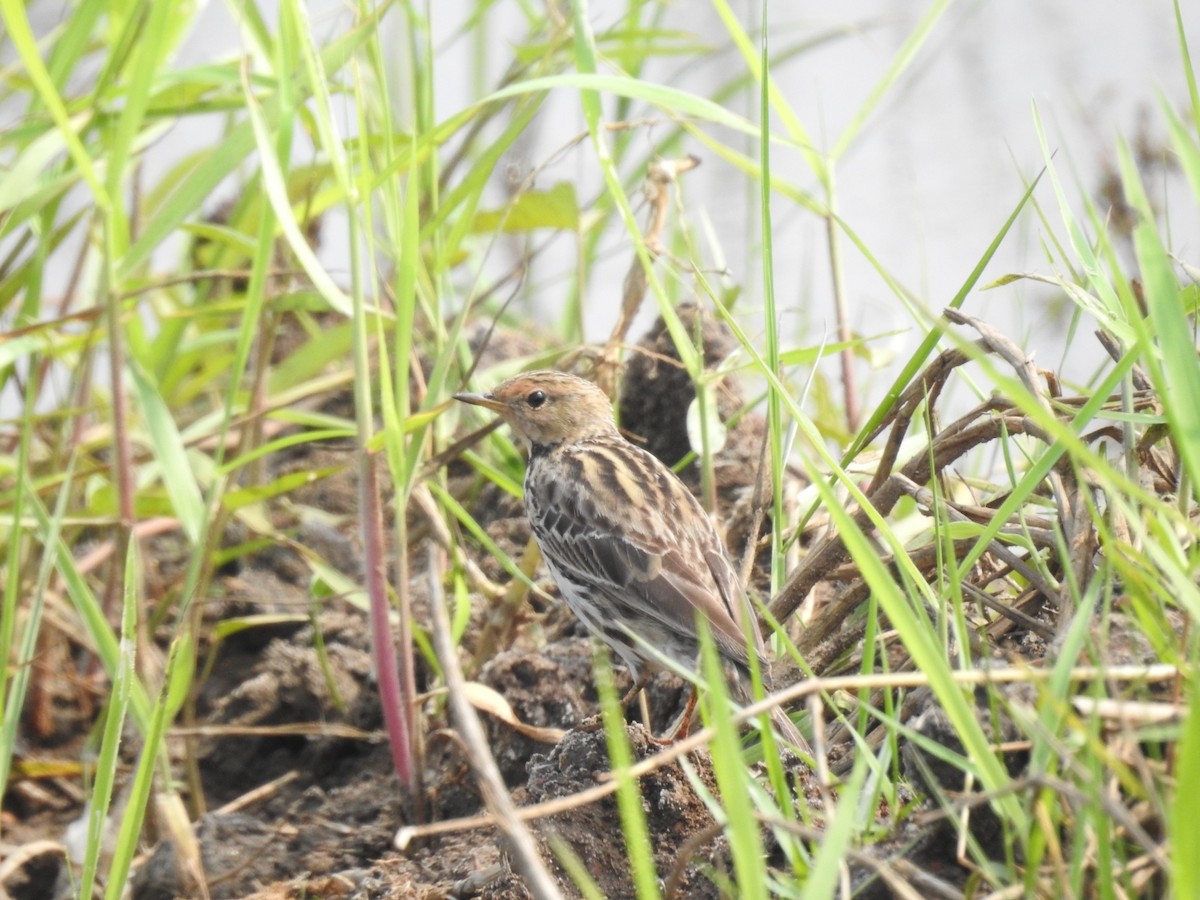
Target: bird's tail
(788, 731)
(738, 679)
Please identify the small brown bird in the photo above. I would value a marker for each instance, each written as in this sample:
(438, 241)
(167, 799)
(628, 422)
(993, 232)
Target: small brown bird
(633, 553)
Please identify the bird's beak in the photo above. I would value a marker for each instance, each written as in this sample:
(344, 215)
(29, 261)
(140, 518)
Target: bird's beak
(485, 400)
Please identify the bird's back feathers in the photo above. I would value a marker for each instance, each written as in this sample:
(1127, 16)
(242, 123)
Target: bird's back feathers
(615, 520)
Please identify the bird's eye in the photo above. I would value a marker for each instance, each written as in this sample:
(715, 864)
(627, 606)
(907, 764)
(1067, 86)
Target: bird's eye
(536, 399)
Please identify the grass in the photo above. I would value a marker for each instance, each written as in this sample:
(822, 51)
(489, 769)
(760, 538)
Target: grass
(151, 381)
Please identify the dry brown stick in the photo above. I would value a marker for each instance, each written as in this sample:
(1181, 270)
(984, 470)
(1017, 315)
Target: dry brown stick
(950, 444)
(441, 536)
(660, 175)
(1160, 464)
(925, 499)
(1008, 611)
(758, 512)
(517, 838)
(1039, 528)
(831, 552)
(455, 450)
(1007, 350)
(923, 559)
(270, 789)
(689, 849)
(1000, 627)
(1074, 515)
(925, 387)
(1081, 539)
(1113, 348)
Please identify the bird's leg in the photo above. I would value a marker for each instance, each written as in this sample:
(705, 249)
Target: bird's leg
(639, 690)
(644, 709)
(685, 721)
(639, 684)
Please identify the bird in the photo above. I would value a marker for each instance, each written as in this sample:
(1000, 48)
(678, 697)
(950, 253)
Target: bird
(634, 555)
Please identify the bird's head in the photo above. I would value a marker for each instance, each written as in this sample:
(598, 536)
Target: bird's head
(547, 408)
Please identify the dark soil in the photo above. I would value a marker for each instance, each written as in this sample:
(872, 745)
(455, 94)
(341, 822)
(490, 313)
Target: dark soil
(292, 771)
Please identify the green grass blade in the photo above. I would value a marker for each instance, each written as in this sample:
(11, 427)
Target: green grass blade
(839, 834)
(114, 722)
(585, 56)
(1189, 71)
(21, 35)
(889, 81)
(88, 608)
(147, 53)
(1184, 824)
(14, 702)
(1178, 376)
(729, 767)
(177, 474)
(275, 186)
(638, 843)
(188, 196)
(673, 101)
(176, 678)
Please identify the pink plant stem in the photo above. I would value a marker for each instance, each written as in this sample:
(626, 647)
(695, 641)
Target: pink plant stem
(395, 705)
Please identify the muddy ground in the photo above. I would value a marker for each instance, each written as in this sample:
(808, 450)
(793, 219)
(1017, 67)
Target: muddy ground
(269, 714)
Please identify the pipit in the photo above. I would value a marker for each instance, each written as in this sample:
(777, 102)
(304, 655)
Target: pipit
(635, 556)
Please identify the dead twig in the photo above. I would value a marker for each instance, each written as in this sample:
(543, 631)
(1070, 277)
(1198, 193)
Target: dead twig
(518, 839)
(660, 175)
(994, 419)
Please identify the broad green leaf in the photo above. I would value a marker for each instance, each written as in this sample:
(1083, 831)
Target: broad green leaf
(706, 432)
(555, 208)
(169, 450)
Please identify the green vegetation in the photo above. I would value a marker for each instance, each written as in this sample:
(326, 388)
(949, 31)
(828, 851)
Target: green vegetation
(199, 323)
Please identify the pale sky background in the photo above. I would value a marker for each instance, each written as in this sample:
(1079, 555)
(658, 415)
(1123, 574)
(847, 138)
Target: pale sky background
(926, 185)
(930, 180)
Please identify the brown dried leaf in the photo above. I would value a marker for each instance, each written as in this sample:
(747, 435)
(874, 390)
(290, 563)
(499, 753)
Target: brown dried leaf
(486, 699)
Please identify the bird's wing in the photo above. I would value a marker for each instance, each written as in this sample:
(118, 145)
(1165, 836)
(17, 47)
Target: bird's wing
(638, 535)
